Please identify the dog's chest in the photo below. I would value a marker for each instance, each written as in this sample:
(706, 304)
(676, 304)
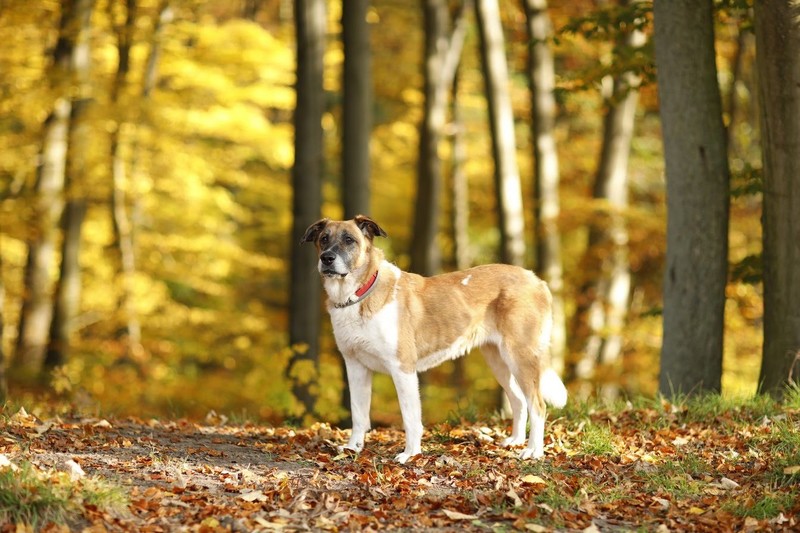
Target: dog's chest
(372, 341)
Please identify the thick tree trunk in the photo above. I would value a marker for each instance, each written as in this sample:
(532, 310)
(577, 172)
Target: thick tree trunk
(777, 26)
(441, 56)
(48, 204)
(357, 125)
(66, 303)
(541, 79)
(501, 121)
(603, 300)
(697, 178)
(305, 287)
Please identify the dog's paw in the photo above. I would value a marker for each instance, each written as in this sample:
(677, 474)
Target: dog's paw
(530, 453)
(403, 458)
(512, 441)
(350, 448)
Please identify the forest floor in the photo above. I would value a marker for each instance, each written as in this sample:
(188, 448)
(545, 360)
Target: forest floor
(699, 466)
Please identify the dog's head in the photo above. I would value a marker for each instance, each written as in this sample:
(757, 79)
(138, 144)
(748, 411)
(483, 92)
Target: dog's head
(342, 245)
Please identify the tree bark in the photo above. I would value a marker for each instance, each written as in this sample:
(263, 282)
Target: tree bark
(3, 381)
(357, 124)
(501, 120)
(304, 297)
(602, 303)
(541, 79)
(125, 258)
(66, 303)
(777, 25)
(441, 56)
(697, 178)
(48, 205)
(356, 108)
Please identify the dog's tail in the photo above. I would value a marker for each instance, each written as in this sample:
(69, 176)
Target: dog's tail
(553, 390)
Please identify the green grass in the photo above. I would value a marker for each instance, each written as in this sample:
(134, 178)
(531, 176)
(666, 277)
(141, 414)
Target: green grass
(672, 477)
(36, 498)
(768, 506)
(597, 440)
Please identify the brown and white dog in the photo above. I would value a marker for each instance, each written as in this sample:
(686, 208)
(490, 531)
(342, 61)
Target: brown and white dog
(390, 321)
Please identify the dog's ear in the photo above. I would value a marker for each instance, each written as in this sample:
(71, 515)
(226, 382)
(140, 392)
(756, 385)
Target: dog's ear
(369, 227)
(314, 230)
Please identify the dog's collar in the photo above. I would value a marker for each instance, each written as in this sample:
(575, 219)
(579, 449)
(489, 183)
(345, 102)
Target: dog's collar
(361, 293)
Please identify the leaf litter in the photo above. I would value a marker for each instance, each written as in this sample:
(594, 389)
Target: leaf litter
(667, 472)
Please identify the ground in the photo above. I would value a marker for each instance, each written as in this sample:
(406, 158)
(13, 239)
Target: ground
(655, 468)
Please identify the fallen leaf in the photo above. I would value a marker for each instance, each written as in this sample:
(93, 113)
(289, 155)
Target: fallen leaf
(791, 470)
(512, 494)
(728, 484)
(455, 515)
(696, 510)
(253, 496)
(531, 479)
(536, 528)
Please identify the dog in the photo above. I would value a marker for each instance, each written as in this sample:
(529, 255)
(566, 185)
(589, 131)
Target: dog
(395, 322)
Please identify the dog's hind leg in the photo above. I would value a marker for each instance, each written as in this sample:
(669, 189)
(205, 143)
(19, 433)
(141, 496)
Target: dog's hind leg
(359, 378)
(407, 387)
(516, 398)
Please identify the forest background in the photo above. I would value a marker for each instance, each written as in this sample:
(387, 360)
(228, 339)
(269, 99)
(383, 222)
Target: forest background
(187, 191)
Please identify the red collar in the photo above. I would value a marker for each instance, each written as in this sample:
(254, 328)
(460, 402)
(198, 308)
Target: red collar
(361, 293)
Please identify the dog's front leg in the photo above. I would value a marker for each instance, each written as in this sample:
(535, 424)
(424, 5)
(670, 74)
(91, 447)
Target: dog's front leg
(407, 386)
(359, 378)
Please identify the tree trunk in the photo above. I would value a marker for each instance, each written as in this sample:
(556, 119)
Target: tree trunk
(441, 57)
(66, 303)
(541, 79)
(3, 381)
(697, 178)
(603, 300)
(304, 290)
(357, 125)
(125, 258)
(48, 204)
(501, 119)
(777, 25)
(356, 108)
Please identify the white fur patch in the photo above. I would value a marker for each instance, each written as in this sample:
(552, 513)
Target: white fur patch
(465, 281)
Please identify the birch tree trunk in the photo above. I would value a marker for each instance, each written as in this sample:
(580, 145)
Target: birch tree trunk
(122, 225)
(603, 299)
(698, 200)
(777, 25)
(48, 204)
(501, 121)
(541, 79)
(66, 303)
(305, 287)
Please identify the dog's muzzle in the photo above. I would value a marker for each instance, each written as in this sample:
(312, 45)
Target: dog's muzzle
(327, 264)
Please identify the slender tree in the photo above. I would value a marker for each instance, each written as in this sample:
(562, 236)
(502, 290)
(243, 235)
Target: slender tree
(501, 121)
(444, 40)
(304, 289)
(124, 258)
(541, 80)
(67, 298)
(48, 203)
(697, 197)
(777, 25)
(3, 381)
(602, 303)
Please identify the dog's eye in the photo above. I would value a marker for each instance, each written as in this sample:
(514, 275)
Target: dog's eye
(323, 239)
(349, 240)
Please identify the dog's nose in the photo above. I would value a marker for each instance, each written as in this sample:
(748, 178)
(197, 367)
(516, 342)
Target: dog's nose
(327, 258)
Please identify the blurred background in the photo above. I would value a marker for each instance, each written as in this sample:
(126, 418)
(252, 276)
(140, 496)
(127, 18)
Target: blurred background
(178, 171)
